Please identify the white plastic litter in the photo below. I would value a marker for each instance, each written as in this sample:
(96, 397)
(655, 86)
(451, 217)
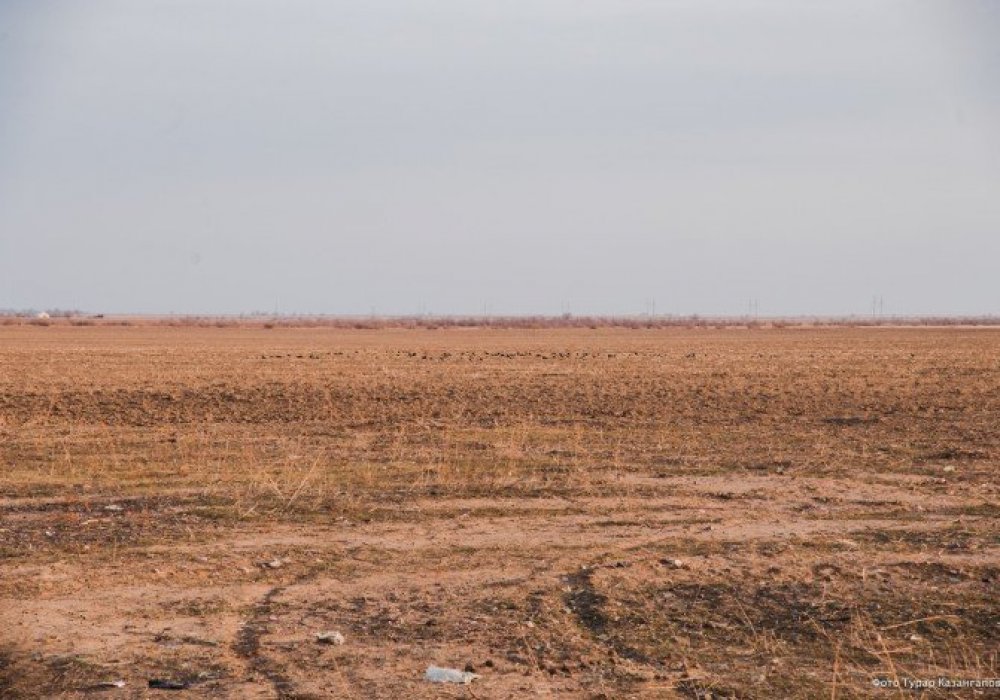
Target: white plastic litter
(436, 674)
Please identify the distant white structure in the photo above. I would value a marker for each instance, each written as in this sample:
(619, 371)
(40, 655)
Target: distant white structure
(42, 314)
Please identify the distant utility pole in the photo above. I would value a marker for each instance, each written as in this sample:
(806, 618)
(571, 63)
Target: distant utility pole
(753, 308)
(650, 306)
(878, 306)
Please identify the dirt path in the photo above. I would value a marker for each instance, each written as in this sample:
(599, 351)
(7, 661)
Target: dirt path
(523, 599)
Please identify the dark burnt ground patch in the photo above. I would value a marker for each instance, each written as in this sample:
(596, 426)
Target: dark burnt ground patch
(32, 528)
(734, 630)
(953, 539)
(25, 677)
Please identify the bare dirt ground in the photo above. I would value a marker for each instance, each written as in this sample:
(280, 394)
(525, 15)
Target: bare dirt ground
(572, 513)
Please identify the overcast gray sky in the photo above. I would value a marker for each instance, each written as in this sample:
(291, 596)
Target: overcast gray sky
(200, 156)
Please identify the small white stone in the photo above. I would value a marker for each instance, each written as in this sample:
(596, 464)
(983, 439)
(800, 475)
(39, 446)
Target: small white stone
(330, 637)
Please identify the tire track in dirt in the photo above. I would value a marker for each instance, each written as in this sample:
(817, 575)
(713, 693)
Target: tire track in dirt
(588, 605)
(248, 647)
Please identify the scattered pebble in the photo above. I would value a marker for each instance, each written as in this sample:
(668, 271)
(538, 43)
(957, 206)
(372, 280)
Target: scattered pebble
(330, 637)
(106, 685)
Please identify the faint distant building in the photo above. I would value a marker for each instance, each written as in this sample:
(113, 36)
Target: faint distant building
(42, 314)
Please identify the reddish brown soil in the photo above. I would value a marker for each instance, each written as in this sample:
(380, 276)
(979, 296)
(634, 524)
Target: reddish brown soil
(575, 513)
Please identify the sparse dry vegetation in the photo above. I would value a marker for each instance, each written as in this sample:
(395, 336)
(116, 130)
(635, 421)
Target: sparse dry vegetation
(604, 512)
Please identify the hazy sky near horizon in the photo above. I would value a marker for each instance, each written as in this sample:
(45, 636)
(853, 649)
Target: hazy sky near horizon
(519, 156)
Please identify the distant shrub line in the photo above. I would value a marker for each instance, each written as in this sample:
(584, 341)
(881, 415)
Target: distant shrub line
(498, 322)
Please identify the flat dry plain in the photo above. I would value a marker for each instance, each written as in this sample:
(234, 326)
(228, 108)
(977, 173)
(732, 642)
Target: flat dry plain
(569, 513)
